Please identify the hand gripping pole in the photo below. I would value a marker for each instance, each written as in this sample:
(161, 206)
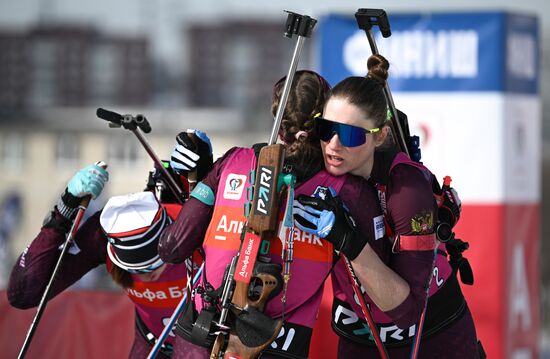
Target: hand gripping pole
(44, 300)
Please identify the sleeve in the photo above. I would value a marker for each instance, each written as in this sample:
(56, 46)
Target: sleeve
(34, 267)
(362, 201)
(411, 211)
(181, 238)
(411, 204)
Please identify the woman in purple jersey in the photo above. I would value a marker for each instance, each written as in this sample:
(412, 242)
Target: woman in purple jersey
(123, 236)
(395, 271)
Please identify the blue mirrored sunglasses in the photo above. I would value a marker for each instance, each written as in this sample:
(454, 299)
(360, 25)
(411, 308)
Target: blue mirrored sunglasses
(349, 135)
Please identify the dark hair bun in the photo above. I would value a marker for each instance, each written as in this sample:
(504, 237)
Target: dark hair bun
(378, 68)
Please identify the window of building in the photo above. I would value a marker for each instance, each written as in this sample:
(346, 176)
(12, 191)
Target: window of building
(123, 152)
(43, 85)
(106, 71)
(67, 151)
(11, 152)
(240, 57)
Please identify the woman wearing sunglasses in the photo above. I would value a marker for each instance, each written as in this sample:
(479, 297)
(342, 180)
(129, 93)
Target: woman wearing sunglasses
(395, 271)
(212, 216)
(123, 236)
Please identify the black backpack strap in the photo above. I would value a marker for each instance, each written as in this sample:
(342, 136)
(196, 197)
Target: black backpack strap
(257, 147)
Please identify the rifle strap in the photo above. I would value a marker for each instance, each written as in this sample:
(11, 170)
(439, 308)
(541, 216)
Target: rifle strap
(202, 327)
(195, 328)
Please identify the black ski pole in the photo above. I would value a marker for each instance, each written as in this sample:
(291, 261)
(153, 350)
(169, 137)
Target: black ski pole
(135, 124)
(366, 19)
(44, 300)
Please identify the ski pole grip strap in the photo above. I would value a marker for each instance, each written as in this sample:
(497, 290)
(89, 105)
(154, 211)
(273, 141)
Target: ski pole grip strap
(65, 207)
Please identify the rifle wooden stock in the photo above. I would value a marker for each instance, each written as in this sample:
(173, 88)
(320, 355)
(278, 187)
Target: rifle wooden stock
(260, 229)
(265, 204)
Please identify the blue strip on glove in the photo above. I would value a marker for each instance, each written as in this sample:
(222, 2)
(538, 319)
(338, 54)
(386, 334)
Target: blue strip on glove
(326, 216)
(318, 222)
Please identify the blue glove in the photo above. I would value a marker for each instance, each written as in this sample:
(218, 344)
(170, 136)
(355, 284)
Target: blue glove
(328, 218)
(88, 181)
(189, 156)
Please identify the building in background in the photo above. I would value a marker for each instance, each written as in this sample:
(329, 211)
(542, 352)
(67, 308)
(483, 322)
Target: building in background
(41, 150)
(57, 74)
(72, 65)
(235, 63)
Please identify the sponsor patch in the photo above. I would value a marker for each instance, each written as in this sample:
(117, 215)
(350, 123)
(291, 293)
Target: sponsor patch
(422, 223)
(379, 228)
(234, 186)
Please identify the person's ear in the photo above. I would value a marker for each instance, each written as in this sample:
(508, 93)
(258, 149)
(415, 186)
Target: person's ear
(380, 137)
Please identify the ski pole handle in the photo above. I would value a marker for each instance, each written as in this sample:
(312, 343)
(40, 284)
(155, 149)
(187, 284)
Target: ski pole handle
(129, 122)
(142, 123)
(109, 116)
(366, 19)
(134, 124)
(85, 201)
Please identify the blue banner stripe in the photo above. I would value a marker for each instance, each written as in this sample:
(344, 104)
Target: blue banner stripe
(485, 51)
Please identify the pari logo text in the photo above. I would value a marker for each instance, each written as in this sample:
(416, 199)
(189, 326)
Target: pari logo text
(265, 187)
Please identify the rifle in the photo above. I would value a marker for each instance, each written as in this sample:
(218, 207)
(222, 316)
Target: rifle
(252, 330)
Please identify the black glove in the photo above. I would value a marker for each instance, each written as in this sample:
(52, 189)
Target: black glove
(449, 207)
(189, 155)
(329, 218)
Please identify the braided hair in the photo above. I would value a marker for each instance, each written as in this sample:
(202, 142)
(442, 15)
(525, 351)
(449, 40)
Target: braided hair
(307, 98)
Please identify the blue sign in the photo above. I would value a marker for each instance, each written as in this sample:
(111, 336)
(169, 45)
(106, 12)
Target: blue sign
(486, 51)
